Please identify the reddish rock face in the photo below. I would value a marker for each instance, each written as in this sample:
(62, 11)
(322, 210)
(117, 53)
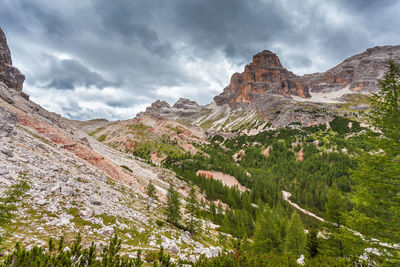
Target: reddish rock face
(9, 74)
(265, 73)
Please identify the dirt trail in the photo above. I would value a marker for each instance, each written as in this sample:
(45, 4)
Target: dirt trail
(286, 196)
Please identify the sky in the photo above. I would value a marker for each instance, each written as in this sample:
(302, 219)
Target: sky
(88, 59)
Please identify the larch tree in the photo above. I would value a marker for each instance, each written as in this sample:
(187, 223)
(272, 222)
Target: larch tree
(151, 190)
(295, 236)
(312, 244)
(266, 234)
(192, 207)
(378, 174)
(173, 206)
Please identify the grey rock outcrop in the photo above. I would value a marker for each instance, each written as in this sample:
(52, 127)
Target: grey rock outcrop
(182, 109)
(7, 122)
(358, 72)
(10, 75)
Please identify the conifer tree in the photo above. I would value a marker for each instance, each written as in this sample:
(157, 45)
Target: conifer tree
(226, 225)
(295, 236)
(192, 207)
(213, 210)
(220, 209)
(173, 206)
(266, 235)
(378, 174)
(151, 190)
(334, 213)
(312, 244)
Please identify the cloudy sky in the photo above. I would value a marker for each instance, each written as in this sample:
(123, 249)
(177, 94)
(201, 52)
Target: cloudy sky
(111, 58)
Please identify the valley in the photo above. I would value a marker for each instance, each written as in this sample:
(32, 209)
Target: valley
(276, 171)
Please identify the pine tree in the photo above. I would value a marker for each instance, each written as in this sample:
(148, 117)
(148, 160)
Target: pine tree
(378, 174)
(334, 214)
(192, 208)
(226, 225)
(220, 209)
(151, 190)
(312, 244)
(213, 210)
(173, 206)
(266, 235)
(295, 236)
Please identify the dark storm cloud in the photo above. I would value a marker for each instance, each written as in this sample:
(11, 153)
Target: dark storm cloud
(366, 5)
(66, 74)
(133, 21)
(129, 53)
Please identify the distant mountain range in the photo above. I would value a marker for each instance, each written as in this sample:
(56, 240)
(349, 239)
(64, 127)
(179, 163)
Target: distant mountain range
(268, 92)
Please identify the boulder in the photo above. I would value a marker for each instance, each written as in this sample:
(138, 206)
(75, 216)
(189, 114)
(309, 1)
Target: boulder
(56, 189)
(3, 170)
(95, 200)
(7, 123)
(107, 230)
(86, 213)
(8, 152)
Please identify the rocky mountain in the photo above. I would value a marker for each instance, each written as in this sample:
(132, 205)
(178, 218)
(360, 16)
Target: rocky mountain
(264, 74)
(358, 73)
(266, 93)
(183, 108)
(78, 184)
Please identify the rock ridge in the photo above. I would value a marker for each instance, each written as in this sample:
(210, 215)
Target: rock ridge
(266, 76)
(9, 75)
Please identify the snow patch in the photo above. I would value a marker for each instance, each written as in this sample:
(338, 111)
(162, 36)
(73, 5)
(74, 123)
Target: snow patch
(329, 98)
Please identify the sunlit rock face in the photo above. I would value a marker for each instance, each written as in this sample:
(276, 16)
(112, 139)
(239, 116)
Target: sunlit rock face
(264, 74)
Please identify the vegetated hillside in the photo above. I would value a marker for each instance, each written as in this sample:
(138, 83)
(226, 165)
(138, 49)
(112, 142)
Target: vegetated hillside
(149, 131)
(309, 162)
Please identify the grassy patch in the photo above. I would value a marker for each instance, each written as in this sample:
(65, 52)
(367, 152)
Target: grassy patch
(127, 168)
(96, 131)
(79, 222)
(108, 219)
(139, 127)
(102, 138)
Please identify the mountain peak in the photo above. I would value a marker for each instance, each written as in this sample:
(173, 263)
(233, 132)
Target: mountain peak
(184, 103)
(10, 75)
(268, 59)
(264, 74)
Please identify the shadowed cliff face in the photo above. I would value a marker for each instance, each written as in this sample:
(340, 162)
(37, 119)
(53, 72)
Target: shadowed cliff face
(264, 74)
(9, 74)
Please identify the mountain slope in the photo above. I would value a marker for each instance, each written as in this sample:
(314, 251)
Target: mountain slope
(78, 184)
